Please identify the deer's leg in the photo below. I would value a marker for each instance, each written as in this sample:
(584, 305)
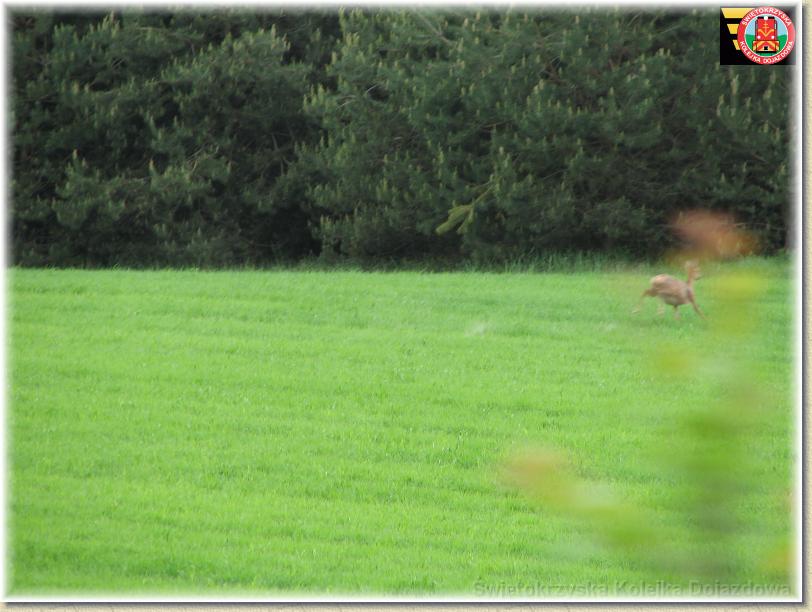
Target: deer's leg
(676, 312)
(646, 293)
(693, 303)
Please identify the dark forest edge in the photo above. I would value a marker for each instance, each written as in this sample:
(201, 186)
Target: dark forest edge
(569, 263)
(232, 139)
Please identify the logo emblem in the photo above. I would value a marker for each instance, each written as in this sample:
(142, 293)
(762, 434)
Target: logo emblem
(766, 35)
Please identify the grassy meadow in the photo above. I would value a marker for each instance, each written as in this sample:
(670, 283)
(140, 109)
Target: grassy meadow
(314, 433)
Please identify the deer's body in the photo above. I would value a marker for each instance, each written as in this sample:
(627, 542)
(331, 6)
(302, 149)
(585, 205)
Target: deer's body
(673, 291)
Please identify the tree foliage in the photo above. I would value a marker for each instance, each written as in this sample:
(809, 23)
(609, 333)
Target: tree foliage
(232, 137)
(158, 138)
(534, 132)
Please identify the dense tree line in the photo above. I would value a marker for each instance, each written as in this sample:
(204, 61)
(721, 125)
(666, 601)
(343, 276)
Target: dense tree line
(237, 137)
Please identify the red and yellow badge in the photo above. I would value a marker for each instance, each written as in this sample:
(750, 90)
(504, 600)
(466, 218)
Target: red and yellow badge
(765, 35)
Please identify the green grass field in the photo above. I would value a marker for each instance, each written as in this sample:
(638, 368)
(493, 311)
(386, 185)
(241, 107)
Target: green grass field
(306, 432)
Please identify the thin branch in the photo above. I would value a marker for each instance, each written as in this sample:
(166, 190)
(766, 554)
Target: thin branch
(434, 30)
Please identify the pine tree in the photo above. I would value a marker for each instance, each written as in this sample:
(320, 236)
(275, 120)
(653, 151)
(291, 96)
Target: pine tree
(157, 138)
(549, 131)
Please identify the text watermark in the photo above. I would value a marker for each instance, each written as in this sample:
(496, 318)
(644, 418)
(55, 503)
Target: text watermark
(630, 589)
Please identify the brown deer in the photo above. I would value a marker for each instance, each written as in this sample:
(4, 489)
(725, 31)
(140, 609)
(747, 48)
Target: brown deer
(673, 291)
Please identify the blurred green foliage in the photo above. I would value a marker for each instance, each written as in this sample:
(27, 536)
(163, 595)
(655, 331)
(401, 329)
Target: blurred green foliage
(707, 451)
